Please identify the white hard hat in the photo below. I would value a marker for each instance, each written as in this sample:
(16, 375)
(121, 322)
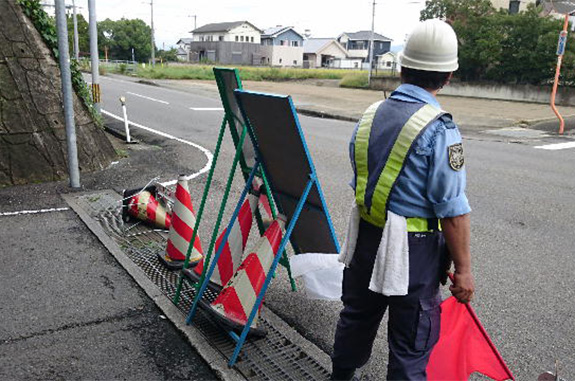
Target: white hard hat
(432, 46)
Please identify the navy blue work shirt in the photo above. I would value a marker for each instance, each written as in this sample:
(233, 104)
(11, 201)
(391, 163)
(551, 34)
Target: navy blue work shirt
(427, 187)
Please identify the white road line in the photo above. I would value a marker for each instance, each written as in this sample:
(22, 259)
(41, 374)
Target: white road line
(207, 108)
(33, 211)
(558, 146)
(204, 150)
(148, 98)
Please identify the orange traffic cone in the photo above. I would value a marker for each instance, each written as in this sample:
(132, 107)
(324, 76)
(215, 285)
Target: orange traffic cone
(233, 305)
(181, 230)
(144, 206)
(234, 247)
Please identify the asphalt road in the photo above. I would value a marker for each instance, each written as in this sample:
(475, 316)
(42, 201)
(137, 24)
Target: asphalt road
(522, 226)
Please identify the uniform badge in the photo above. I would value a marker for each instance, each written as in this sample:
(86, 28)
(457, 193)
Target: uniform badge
(456, 159)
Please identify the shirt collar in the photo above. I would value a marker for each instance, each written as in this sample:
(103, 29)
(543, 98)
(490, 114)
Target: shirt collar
(416, 93)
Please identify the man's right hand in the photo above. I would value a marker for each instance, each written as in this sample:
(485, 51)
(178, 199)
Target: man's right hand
(463, 286)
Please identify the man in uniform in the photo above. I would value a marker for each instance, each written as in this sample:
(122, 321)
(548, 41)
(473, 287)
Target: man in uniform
(408, 161)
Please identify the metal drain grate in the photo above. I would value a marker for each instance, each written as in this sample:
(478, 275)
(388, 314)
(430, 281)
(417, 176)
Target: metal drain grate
(273, 357)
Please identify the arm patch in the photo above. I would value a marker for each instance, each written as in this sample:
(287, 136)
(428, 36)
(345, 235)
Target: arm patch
(456, 158)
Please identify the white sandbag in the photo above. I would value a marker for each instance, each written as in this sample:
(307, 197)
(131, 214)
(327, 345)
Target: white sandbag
(322, 274)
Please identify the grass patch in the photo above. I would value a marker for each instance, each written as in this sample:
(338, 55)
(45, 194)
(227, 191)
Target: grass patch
(247, 73)
(355, 80)
(122, 153)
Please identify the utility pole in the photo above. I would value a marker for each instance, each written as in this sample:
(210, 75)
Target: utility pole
(64, 58)
(195, 17)
(76, 41)
(371, 44)
(94, 57)
(153, 39)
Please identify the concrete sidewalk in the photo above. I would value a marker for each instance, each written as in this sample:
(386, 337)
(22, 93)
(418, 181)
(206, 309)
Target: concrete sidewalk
(323, 97)
(68, 309)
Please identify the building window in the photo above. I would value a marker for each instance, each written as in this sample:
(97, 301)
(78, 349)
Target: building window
(294, 43)
(251, 39)
(280, 60)
(388, 64)
(242, 38)
(221, 38)
(295, 62)
(514, 6)
(237, 38)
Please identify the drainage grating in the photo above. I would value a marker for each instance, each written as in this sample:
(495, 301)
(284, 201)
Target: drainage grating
(274, 357)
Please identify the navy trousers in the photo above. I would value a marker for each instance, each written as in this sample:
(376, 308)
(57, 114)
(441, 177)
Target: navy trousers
(414, 319)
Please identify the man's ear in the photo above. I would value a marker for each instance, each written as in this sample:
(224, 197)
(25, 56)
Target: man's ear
(449, 79)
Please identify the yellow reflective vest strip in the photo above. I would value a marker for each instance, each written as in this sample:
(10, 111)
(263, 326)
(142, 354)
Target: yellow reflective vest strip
(361, 152)
(376, 214)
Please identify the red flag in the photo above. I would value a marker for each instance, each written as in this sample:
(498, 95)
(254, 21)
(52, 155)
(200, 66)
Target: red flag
(464, 347)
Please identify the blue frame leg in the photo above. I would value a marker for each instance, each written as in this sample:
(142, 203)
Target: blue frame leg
(272, 269)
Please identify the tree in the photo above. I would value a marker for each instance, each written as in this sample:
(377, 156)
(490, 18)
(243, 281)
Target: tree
(502, 47)
(83, 34)
(460, 10)
(123, 35)
(168, 55)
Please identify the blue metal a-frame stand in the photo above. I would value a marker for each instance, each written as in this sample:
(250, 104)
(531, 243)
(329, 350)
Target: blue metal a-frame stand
(282, 155)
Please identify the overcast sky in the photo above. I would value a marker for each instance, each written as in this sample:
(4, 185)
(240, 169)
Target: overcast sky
(325, 18)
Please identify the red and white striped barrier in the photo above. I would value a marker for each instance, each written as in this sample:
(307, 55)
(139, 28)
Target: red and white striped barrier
(181, 230)
(145, 207)
(233, 250)
(238, 297)
(267, 217)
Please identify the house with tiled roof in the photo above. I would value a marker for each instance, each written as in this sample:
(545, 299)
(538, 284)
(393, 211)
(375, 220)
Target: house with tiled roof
(282, 46)
(327, 52)
(235, 31)
(357, 44)
(236, 43)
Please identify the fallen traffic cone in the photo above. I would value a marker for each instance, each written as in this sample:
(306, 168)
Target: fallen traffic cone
(144, 206)
(181, 230)
(234, 304)
(233, 250)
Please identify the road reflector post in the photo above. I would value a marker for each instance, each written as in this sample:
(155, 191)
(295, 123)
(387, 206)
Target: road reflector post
(125, 113)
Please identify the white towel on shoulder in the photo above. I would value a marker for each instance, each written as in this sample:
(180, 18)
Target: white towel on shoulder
(390, 274)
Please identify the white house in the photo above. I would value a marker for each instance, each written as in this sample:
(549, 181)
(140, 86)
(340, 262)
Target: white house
(387, 62)
(322, 52)
(236, 31)
(282, 46)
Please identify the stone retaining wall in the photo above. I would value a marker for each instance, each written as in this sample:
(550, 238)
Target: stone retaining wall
(32, 126)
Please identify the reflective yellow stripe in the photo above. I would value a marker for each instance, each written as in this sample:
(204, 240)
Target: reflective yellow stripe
(415, 225)
(394, 164)
(361, 152)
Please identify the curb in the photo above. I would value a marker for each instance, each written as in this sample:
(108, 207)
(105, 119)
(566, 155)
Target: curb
(326, 115)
